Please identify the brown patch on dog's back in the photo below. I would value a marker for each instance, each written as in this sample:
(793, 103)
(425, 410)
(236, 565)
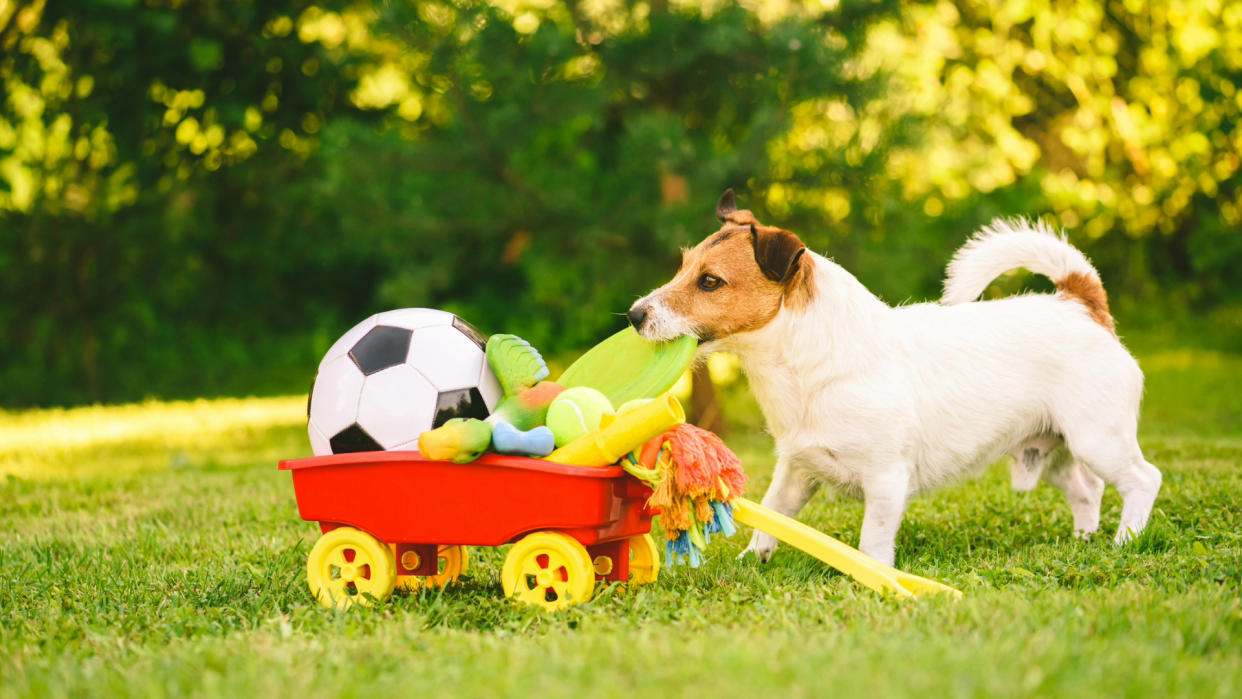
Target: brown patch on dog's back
(1089, 291)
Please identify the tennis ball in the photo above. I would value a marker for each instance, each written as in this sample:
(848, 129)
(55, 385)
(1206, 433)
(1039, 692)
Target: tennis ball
(575, 412)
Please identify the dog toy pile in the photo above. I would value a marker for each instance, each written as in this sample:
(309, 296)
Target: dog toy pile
(572, 420)
(693, 476)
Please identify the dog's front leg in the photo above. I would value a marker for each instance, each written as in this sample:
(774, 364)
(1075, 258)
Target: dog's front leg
(885, 495)
(790, 490)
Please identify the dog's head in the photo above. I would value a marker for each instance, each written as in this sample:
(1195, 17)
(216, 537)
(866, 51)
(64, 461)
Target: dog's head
(735, 281)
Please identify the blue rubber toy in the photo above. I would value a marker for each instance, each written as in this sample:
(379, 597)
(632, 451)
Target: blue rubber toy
(537, 441)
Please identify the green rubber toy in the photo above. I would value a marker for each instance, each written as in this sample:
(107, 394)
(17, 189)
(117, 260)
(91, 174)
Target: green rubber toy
(625, 366)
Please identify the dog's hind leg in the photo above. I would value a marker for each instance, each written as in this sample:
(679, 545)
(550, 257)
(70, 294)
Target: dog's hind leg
(1083, 490)
(789, 492)
(1112, 452)
(1136, 480)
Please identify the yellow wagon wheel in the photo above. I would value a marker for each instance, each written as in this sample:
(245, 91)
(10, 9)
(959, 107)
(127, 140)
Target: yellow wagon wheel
(348, 566)
(644, 559)
(451, 562)
(549, 570)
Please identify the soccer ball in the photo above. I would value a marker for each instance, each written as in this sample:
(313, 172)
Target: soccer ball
(396, 375)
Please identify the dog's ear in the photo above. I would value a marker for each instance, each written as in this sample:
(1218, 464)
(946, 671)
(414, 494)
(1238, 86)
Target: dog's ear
(725, 206)
(776, 251)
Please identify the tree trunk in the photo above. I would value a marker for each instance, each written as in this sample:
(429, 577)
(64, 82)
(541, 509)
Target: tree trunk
(705, 409)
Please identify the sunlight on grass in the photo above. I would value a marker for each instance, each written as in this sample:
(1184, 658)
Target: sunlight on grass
(97, 425)
(58, 442)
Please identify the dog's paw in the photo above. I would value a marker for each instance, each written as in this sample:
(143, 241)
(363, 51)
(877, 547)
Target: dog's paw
(761, 545)
(1126, 534)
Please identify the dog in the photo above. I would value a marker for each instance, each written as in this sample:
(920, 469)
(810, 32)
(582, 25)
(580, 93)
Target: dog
(885, 402)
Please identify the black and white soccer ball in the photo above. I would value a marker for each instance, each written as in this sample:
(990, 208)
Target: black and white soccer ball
(395, 375)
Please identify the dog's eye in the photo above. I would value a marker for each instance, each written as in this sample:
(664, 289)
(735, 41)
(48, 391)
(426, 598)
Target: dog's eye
(708, 282)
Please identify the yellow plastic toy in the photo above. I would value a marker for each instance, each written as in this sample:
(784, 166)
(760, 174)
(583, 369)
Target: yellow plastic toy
(621, 434)
(847, 559)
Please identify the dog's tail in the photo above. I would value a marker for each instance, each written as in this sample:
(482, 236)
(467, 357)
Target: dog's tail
(1009, 244)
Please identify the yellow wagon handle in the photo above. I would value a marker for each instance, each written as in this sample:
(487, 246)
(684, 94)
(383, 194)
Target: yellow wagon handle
(847, 559)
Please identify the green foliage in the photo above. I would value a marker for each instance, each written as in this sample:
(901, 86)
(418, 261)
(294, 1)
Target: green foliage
(155, 550)
(137, 236)
(197, 198)
(533, 173)
(1117, 119)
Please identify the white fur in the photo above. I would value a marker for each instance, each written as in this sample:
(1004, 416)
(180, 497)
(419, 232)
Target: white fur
(885, 402)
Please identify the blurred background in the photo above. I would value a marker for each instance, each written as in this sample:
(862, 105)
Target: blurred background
(197, 198)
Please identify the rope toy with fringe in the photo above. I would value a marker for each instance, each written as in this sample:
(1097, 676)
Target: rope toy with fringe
(693, 476)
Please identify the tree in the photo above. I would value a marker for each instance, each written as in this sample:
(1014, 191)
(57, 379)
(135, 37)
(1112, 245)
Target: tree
(133, 136)
(256, 178)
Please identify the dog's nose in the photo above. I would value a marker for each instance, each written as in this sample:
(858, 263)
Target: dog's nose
(637, 315)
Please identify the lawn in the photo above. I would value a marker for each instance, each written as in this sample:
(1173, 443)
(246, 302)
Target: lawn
(154, 549)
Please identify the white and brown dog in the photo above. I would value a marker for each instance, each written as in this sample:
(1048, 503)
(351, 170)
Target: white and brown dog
(885, 402)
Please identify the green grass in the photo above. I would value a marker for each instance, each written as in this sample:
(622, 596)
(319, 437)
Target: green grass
(156, 550)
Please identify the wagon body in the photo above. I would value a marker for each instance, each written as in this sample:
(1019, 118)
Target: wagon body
(395, 518)
(402, 497)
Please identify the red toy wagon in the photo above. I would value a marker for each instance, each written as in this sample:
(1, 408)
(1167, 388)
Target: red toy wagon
(394, 518)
